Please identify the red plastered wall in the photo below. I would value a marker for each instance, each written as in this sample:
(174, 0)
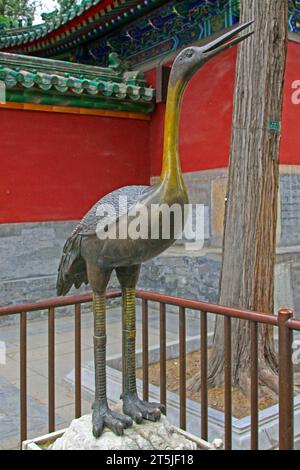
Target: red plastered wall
(290, 143)
(55, 166)
(206, 117)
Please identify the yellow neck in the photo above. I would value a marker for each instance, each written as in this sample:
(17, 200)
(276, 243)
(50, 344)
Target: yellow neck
(171, 170)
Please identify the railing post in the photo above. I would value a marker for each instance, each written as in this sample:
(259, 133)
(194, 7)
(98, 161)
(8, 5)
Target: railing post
(227, 383)
(163, 356)
(204, 371)
(145, 341)
(51, 369)
(77, 360)
(23, 376)
(182, 368)
(286, 382)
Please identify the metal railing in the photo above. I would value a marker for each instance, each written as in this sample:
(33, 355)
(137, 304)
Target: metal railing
(283, 321)
(22, 310)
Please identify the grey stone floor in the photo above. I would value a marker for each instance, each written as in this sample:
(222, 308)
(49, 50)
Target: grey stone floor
(37, 368)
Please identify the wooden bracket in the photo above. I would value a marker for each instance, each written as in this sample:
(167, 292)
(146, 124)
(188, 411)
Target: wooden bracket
(162, 82)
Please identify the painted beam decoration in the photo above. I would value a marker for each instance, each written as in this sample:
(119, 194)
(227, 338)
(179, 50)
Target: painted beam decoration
(294, 16)
(61, 32)
(51, 82)
(164, 30)
(139, 31)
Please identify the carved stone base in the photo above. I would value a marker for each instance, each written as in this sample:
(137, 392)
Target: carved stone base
(146, 436)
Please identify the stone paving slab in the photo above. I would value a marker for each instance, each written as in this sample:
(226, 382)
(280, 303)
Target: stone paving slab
(10, 411)
(11, 370)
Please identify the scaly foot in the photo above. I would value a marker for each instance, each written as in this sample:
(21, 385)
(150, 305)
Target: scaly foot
(138, 409)
(103, 416)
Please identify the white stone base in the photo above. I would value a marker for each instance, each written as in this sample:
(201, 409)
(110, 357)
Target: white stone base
(146, 436)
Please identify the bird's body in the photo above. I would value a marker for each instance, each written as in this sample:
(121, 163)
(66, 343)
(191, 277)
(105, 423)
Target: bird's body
(85, 246)
(124, 229)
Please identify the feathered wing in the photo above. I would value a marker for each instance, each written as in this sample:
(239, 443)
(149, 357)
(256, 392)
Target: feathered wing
(131, 194)
(72, 267)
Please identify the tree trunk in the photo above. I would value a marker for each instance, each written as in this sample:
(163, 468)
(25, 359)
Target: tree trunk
(249, 244)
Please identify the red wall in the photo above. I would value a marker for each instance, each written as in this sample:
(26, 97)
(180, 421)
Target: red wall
(290, 144)
(55, 166)
(207, 116)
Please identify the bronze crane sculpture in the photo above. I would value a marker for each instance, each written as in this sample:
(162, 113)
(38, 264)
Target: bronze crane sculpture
(90, 258)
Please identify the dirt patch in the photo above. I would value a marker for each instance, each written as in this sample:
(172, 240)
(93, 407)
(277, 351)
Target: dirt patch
(240, 403)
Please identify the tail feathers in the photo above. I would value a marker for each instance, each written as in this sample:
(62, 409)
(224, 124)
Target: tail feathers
(72, 267)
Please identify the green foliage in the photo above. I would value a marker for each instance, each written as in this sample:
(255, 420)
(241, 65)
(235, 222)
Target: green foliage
(4, 22)
(12, 11)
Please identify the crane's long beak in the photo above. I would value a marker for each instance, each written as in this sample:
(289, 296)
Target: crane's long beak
(221, 44)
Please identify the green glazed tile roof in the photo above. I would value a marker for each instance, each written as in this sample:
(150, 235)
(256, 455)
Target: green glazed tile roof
(63, 79)
(18, 36)
(114, 13)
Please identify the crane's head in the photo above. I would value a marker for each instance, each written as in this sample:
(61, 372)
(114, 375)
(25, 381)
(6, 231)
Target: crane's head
(191, 59)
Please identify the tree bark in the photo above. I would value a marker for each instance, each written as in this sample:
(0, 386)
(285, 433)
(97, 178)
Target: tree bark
(249, 243)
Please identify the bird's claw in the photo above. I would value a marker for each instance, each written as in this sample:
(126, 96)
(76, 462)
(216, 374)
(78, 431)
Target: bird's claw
(104, 417)
(138, 409)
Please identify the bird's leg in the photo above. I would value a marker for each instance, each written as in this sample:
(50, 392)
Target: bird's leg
(132, 405)
(102, 415)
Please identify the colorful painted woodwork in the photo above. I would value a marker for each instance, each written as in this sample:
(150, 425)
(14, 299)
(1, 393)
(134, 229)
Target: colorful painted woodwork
(81, 23)
(138, 30)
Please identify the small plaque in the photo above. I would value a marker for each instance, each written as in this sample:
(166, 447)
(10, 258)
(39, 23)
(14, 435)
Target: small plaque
(275, 126)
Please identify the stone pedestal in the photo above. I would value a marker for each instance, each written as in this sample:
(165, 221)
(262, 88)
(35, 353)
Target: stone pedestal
(146, 436)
